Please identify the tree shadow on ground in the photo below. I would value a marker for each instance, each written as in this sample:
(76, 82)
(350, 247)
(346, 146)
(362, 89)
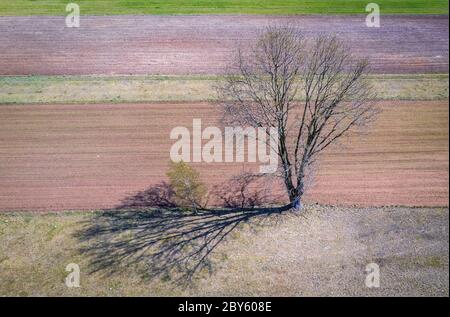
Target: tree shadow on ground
(149, 232)
(246, 190)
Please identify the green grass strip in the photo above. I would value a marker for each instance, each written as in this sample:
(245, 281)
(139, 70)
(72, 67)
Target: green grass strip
(278, 7)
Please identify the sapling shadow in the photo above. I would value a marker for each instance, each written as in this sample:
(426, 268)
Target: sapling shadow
(150, 233)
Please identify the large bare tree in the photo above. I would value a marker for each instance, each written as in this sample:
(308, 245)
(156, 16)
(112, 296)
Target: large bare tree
(312, 91)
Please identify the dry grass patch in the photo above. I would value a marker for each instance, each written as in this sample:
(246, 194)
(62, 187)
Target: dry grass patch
(322, 251)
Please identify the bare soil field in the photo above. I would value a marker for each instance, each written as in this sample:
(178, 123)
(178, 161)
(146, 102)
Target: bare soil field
(189, 45)
(74, 157)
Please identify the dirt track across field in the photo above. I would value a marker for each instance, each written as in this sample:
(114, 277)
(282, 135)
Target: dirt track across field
(60, 157)
(193, 45)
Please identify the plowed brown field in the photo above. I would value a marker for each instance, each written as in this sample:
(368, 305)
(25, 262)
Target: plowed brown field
(193, 45)
(60, 157)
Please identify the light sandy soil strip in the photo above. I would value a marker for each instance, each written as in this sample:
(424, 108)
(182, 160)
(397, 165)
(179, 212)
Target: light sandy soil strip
(203, 45)
(58, 157)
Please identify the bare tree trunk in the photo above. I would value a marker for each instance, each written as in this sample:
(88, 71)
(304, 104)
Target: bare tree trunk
(262, 90)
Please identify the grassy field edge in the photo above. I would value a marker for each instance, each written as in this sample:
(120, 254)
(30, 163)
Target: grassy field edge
(178, 7)
(139, 89)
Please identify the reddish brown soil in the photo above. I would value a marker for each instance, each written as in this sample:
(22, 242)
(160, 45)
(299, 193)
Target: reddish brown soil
(193, 45)
(60, 157)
